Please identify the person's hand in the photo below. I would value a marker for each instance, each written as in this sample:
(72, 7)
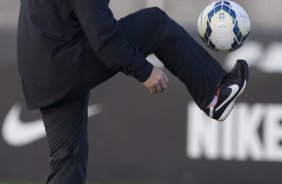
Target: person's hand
(157, 82)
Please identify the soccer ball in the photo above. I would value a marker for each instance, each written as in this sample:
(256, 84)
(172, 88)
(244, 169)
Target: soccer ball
(224, 26)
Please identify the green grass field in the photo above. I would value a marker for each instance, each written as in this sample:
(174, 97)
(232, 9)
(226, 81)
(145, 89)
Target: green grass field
(43, 182)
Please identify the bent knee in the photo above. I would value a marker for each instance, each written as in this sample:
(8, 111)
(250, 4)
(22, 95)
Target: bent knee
(163, 24)
(158, 15)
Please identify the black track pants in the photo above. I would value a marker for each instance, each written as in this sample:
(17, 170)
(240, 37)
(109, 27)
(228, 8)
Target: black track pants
(150, 31)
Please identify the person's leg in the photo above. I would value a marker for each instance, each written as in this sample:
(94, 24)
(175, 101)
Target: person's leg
(152, 31)
(96, 73)
(66, 128)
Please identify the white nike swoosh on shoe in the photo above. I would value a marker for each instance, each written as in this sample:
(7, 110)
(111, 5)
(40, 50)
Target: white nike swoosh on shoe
(234, 89)
(18, 133)
(229, 107)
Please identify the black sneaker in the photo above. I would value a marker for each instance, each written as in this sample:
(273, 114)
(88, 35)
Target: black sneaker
(229, 90)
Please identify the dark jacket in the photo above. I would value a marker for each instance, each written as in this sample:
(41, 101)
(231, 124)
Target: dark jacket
(54, 41)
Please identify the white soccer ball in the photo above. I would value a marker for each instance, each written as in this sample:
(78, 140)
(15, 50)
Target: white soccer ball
(224, 26)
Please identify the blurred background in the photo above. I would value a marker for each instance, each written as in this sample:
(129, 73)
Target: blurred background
(138, 138)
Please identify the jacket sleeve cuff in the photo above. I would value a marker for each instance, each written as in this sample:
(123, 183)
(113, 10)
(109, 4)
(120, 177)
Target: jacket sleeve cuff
(143, 74)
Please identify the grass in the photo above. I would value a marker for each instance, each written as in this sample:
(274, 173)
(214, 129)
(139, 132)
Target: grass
(43, 182)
